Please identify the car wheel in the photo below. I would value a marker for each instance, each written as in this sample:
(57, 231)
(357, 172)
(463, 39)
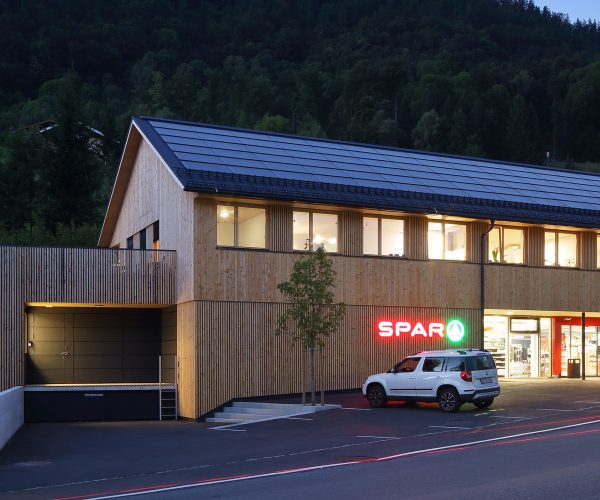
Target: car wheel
(483, 403)
(376, 396)
(449, 400)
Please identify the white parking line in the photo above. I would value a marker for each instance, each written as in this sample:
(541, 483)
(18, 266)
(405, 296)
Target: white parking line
(359, 409)
(298, 418)
(379, 437)
(553, 409)
(502, 416)
(448, 427)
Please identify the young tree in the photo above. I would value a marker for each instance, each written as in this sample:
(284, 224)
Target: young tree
(312, 309)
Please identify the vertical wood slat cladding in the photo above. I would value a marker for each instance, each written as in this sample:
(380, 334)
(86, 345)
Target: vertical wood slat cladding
(188, 333)
(416, 238)
(152, 194)
(587, 250)
(474, 232)
(534, 246)
(73, 275)
(280, 236)
(239, 355)
(351, 234)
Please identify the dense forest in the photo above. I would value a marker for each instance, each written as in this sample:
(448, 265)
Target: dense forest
(496, 78)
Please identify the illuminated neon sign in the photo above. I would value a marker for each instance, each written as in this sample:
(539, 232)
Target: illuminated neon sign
(454, 330)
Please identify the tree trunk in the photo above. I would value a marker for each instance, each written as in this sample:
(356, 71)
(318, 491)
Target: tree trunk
(311, 370)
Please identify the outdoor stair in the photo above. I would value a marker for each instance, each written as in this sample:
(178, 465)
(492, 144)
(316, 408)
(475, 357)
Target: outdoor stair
(242, 411)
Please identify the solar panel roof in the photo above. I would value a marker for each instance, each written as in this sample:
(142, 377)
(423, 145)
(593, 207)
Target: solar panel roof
(252, 163)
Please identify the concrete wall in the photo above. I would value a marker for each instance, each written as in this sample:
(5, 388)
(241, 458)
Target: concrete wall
(11, 413)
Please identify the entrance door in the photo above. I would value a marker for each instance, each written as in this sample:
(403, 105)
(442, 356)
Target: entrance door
(591, 351)
(524, 355)
(49, 348)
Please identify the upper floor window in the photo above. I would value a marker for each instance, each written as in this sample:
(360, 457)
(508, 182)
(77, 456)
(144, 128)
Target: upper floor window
(382, 236)
(130, 243)
(505, 244)
(312, 230)
(560, 249)
(447, 240)
(241, 226)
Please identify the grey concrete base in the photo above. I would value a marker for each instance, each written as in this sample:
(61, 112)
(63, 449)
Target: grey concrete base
(250, 412)
(11, 413)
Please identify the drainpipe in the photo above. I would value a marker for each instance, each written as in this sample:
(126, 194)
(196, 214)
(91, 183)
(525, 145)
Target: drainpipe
(482, 276)
(583, 346)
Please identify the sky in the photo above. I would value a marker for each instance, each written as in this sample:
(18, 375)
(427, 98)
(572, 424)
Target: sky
(582, 9)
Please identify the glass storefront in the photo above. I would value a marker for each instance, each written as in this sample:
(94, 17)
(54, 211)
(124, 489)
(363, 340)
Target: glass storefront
(571, 347)
(521, 347)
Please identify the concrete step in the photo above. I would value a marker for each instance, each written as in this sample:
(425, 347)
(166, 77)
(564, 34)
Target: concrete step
(259, 411)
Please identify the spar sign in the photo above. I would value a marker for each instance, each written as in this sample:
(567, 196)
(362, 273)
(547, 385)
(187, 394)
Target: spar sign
(454, 330)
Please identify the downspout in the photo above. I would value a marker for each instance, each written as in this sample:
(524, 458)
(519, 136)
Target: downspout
(482, 276)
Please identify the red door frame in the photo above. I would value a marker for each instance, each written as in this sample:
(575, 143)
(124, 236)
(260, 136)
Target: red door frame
(557, 322)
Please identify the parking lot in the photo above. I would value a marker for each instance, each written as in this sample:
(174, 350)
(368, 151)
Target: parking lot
(116, 459)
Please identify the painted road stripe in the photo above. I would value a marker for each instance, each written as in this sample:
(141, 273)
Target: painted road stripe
(298, 418)
(245, 477)
(553, 409)
(448, 427)
(379, 437)
(520, 418)
(359, 409)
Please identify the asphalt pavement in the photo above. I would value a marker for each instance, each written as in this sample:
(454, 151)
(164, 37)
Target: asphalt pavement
(538, 440)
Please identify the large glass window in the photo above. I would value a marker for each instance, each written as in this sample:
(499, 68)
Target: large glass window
(505, 244)
(241, 226)
(383, 236)
(312, 230)
(560, 249)
(447, 241)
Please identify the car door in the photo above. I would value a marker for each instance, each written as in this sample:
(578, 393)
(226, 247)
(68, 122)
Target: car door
(401, 379)
(429, 377)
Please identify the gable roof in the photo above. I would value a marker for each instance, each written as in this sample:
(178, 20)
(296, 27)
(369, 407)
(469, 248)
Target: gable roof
(239, 162)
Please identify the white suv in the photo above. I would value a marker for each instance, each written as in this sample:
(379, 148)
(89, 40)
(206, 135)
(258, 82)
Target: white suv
(451, 377)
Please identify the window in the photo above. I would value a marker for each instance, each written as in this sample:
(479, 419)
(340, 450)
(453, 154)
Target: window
(433, 364)
(483, 362)
(241, 226)
(143, 239)
(312, 230)
(407, 365)
(505, 244)
(130, 243)
(455, 364)
(447, 241)
(382, 236)
(560, 249)
(155, 236)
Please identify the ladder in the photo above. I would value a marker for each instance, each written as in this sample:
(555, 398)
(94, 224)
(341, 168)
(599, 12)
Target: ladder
(167, 395)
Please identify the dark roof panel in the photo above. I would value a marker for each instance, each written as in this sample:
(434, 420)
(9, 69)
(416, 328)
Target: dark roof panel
(262, 164)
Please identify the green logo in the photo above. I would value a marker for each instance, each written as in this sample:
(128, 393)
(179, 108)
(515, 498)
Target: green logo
(455, 330)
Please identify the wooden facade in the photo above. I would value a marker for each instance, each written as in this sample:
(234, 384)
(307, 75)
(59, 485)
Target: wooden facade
(73, 276)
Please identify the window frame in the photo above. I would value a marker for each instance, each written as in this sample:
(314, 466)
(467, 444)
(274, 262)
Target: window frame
(502, 261)
(443, 223)
(556, 232)
(236, 206)
(379, 235)
(310, 213)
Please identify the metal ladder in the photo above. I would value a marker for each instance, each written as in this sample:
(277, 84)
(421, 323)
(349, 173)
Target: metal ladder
(167, 396)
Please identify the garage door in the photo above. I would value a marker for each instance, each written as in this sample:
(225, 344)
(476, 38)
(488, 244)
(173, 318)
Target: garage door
(91, 346)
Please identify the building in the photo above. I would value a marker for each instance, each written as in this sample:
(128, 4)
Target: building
(430, 250)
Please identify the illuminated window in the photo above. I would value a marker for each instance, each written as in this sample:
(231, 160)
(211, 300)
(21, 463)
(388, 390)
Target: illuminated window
(155, 236)
(312, 230)
(447, 241)
(560, 249)
(382, 236)
(506, 245)
(241, 226)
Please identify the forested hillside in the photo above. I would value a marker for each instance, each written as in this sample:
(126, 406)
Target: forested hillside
(495, 78)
